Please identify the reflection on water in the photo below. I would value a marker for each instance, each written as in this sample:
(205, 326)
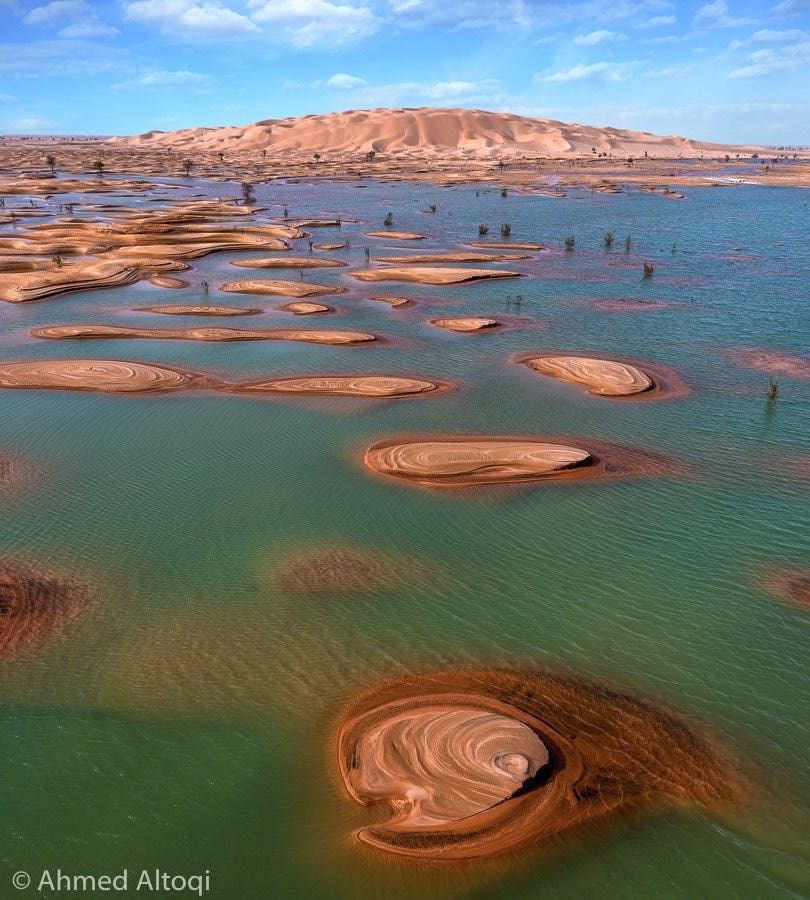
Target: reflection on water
(189, 719)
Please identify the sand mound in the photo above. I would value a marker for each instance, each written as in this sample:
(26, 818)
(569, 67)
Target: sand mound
(467, 323)
(302, 308)
(507, 245)
(289, 262)
(281, 288)
(471, 131)
(467, 460)
(90, 332)
(394, 302)
(382, 386)
(396, 235)
(34, 607)
(70, 276)
(602, 377)
(166, 281)
(430, 274)
(483, 461)
(482, 763)
(196, 310)
(104, 375)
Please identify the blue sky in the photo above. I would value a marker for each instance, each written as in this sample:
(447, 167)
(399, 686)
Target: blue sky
(727, 70)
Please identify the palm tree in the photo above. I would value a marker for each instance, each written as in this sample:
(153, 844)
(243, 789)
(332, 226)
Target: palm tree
(316, 156)
(188, 165)
(98, 165)
(51, 161)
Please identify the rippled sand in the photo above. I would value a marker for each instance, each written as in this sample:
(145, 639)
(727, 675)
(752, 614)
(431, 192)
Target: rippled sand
(104, 375)
(382, 386)
(276, 287)
(91, 332)
(200, 310)
(467, 323)
(430, 275)
(481, 763)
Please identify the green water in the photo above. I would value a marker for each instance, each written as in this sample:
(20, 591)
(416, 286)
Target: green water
(185, 721)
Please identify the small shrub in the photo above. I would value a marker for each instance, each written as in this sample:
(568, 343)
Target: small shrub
(51, 161)
(98, 165)
(503, 192)
(649, 268)
(608, 239)
(57, 259)
(628, 243)
(773, 391)
(506, 230)
(433, 207)
(248, 195)
(570, 242)
(205, 287)
(388, 221)
(188, 165)
(483, 230)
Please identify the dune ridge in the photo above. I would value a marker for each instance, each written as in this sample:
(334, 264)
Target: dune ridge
(473, 132)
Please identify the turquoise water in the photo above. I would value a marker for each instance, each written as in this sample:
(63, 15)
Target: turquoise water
(186, 721)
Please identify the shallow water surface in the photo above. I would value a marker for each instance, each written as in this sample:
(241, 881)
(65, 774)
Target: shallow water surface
(187, 720)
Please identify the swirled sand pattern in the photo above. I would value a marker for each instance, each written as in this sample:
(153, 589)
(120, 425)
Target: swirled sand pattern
(302, 308)
(90, 332)
(34, 606)
(382, 386)
(280, 288)
(289, 262)
(103, 375)
(475, 461)
(602, 377)
(465, 323)
(481, 763)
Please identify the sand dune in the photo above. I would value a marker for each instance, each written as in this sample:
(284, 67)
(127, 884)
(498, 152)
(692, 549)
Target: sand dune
(472, 131)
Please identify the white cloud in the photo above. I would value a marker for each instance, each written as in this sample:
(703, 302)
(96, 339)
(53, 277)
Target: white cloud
(715, 15)
(605, 71)
(414, 93)
(791, 7)
(601, 36)
(55, 12)
(82, 21)
(164, 78)
(189, 18)
(343, 82)
(307, 23)
(655, 22)
(770, 36)
(769, 61)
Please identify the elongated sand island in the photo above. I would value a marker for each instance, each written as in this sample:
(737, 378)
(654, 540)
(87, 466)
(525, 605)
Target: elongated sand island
(466, 323)
(201, 310)
(275, 287)
(106, 376)
(481, 763)
(396, 235)
(430, 274)
(289, 262)
(100, 332)
(375, 386)
(606, 377)
(304, 308)
(455, 257)
(468, 460)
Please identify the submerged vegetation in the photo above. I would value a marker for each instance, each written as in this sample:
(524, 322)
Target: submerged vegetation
(570, 242)
(773, 391)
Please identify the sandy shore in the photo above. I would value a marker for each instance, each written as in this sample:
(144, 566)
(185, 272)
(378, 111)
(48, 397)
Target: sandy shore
(457, 461)
(478, 763)
(103, 375)
(466, 324)
(274, 287)
(374, 386)
(91, 332)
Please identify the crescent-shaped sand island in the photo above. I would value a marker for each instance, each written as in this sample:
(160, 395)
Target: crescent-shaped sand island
(107, 376)
(606, 377)
(468, 460)
(91, 332)
(480, 763)
(430, 274)
(280, 288)
(381, 386)
(466, 323)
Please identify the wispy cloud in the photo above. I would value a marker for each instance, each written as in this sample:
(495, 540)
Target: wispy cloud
(164, 79)
(771, 61)
(600, 36)
(598, 71)
(308, 23)
(208, 19)
(716, 15)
